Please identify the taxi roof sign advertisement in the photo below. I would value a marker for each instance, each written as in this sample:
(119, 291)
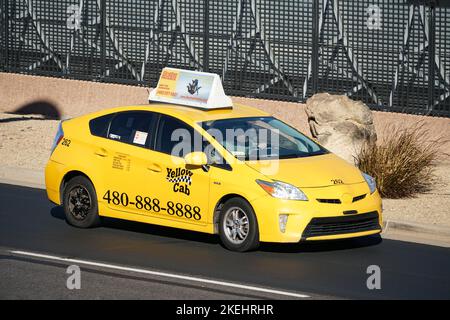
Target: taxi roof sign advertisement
(190, 88)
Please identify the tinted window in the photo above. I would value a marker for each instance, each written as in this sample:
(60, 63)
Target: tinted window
(99, 126)
(177, 137)
(132, 127)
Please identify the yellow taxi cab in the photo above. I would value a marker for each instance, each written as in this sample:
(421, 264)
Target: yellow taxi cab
(193, 160)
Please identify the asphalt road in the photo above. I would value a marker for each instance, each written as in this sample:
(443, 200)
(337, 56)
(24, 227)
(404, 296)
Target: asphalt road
(25, 278)
(29, 222)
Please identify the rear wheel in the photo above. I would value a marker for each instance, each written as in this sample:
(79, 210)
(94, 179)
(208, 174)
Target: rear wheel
(80, 203)
(238, 227)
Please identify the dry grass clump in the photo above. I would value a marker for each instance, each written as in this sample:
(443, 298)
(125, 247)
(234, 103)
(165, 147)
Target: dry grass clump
(403, 162)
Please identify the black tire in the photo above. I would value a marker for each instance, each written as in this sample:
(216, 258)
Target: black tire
(80, 203)
(251, 240)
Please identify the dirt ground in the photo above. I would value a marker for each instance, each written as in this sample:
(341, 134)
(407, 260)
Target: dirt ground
(25, 142)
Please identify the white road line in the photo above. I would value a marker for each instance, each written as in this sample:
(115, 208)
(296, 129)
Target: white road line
(162, 274)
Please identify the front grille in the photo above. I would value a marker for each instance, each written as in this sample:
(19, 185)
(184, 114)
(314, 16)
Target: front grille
(339, 225)
(336, 201)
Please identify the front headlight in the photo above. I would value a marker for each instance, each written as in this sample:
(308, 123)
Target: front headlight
(370, 182)
(282, 190)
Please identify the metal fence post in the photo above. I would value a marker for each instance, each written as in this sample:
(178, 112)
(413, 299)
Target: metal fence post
(103, 39)
(315, 47)
(431, 55)
(206, 36)
(5, 34)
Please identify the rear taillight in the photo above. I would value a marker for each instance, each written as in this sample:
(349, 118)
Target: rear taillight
(59, 136)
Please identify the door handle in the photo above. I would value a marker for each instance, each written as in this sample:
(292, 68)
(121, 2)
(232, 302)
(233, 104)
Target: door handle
(154, 167)
(101, 152)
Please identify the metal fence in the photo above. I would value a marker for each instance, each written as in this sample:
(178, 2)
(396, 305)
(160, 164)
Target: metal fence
(392, 54)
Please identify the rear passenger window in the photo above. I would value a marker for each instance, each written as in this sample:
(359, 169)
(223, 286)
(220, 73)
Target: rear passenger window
(99, 126)
(132, 127)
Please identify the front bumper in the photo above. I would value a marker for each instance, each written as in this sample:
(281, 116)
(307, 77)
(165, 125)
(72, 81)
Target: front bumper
(343, 225)
(314, 220)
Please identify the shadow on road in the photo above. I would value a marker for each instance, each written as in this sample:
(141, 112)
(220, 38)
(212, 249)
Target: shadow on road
(322, 246)
(312, 246)
(143, 228)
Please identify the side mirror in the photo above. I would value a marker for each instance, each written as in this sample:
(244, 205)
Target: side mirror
(196, 159)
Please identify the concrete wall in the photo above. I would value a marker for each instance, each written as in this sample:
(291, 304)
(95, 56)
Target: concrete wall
(73, 97)
(70, 97)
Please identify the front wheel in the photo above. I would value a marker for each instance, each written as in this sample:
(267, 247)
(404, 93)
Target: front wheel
(80, 203)
(238, 227)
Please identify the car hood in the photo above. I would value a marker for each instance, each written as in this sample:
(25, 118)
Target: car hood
(309, 172)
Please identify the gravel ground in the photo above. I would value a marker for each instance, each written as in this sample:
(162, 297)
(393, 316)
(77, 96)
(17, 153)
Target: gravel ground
(26, 140)
(432, 207)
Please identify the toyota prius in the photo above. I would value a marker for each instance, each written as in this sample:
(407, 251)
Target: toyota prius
(234, 171)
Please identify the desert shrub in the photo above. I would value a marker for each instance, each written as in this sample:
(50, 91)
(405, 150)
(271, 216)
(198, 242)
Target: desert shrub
(403, 162)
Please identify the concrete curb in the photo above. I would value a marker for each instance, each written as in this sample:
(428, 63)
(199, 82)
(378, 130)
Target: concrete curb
(392, 229)
(23, 177)
(416, 227)
(417, 232)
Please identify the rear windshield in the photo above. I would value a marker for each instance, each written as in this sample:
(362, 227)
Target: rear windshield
(261, 138)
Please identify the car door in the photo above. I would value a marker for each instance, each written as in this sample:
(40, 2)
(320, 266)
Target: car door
(125, 156)
(183, 192)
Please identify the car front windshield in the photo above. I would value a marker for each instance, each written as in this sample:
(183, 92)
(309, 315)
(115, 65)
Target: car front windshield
(261, 138)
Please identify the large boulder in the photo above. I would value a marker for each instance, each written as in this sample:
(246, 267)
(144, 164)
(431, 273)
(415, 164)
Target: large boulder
(340, 124)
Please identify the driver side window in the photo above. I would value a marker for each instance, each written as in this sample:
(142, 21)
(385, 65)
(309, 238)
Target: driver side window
(174, 137)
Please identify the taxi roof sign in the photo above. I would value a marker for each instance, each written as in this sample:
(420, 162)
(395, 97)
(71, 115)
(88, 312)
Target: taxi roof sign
(190, 88)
